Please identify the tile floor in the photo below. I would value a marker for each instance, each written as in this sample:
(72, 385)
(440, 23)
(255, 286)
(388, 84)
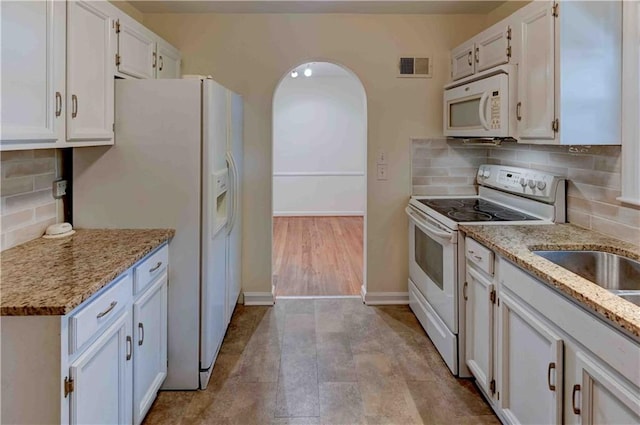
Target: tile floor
(329, 361)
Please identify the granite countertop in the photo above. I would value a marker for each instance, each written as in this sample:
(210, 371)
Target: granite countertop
(53, 276)
(515, 243)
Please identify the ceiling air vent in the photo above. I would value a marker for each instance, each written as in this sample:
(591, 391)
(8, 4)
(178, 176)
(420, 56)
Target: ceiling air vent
(413, 67)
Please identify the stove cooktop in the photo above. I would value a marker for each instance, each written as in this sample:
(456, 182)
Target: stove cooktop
(474, 209)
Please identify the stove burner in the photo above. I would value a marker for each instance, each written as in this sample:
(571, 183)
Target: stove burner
(445, 203)
(488, 207)
(510, 215)
(469, 216)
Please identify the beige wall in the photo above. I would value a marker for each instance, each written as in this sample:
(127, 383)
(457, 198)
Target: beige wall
(504, 10)
(27, 205)
(129, 9)
(250, 53)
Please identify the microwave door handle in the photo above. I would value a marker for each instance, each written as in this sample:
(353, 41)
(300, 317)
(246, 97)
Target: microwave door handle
(432, 230)
(481, 110)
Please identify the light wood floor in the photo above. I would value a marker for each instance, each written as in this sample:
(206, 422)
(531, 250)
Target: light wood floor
(317, 255)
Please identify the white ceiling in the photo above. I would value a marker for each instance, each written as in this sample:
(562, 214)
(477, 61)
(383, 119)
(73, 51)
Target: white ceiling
(317, 6)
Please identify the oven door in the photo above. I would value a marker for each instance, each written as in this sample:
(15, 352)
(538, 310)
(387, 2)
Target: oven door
(433, 264)
(478, 109)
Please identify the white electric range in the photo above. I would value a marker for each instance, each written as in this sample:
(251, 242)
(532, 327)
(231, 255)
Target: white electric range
(506, 196)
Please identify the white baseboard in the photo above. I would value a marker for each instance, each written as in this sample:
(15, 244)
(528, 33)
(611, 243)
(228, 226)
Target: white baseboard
(316, 213)
(258, 298)
(384, 298)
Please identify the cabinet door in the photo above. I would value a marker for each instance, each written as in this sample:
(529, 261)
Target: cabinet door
(169, 61)
(136, 51)
(32, 71)
(463, 62)
(102, 376)
(530, 365)
(536, 78)
(493, 47)
(150, 347)
(597, 396)
(479, 327)
(90, 71)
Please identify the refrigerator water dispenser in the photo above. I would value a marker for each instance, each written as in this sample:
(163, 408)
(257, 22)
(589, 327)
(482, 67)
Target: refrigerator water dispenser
(220, 184)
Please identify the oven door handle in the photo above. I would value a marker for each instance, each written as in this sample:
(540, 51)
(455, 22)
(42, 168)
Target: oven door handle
(421, 222)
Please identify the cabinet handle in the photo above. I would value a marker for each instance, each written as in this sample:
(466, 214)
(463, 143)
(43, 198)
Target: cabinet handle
(518, 109)
(477, 257)
(156, 267)
(161, 63)
(552, 365)
(576, 388)
(129, 347)
(141, 333)
(58, 104)
(477, 55)
(464, 291)
(469, 59)
(155, 59)
(74, 106)
(108, 310)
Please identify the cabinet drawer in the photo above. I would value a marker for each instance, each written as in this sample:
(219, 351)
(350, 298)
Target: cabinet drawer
(479, 255)
(84, 324)
(152, 267)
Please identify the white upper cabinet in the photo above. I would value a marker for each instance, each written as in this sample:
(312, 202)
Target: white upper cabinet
(136, 49)
(570, 73)
(32, 69)
(169, 61)
(463, 62)
(535, 110)
(493, 47)
(90, 70)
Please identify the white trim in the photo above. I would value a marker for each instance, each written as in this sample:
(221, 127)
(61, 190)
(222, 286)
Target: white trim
(316, 213)
(384, 298)
(317, 173)
(258, 298)
(316, 297)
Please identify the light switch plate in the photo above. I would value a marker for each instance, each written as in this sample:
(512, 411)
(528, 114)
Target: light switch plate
(382, 172)
(382, 157)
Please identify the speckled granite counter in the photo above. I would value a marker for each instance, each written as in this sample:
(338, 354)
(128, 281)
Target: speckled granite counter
(53, 276)
(516, 242)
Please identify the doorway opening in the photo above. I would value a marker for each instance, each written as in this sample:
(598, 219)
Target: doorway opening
(319, 182)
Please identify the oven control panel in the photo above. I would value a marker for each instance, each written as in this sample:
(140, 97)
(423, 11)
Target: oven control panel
(522, 181)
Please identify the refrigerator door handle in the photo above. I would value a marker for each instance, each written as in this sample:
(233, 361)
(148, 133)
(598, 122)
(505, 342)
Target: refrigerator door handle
(232, 170)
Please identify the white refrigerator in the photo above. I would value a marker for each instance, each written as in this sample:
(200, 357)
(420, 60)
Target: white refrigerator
(176, 163)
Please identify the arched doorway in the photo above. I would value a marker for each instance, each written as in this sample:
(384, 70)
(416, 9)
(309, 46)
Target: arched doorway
(319, 182)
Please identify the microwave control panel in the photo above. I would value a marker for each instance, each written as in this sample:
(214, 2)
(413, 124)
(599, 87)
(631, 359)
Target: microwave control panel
(495, 110)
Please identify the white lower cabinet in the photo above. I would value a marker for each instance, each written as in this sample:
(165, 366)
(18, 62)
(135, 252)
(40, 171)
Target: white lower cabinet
(596, 395)
(150, 346)
(101, 378)
(102, 363)
(479, 312)
(553, 361)
(530, 363)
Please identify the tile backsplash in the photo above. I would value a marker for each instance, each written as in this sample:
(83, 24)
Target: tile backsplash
(27, 205)
(442, 167)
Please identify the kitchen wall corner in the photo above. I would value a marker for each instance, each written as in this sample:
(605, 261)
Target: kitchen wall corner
(27, 205)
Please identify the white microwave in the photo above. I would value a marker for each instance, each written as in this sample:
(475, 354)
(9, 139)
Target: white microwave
(479, 106)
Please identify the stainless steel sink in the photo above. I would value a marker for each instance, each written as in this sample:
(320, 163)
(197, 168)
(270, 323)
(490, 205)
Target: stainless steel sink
(618, 274)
